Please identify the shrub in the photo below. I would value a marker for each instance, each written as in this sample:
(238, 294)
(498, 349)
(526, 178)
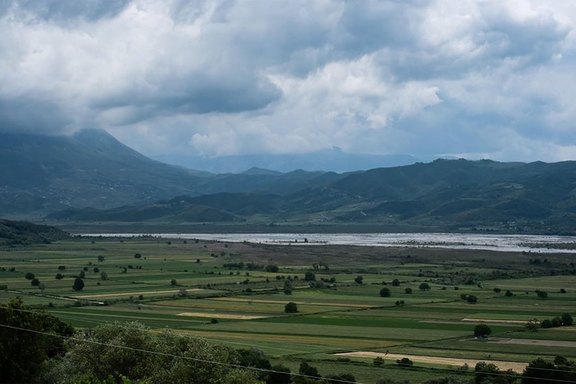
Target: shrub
(59, 276)
(29, 276)
(78, 284)
(291, 307)
(408, 291)
(385, 292)
(395, 283)
(404, 362)
(482, 330)
(424, 287)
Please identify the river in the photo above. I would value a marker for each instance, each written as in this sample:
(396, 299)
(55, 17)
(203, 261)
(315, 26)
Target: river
(493, 242)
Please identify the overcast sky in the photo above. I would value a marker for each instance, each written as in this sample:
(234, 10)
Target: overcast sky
(476, 79)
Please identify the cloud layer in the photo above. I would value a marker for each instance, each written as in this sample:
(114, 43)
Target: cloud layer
(219, 77)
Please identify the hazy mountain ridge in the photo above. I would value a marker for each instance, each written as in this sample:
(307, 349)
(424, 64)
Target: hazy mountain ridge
(21, 232)
(332, 160)
(93, 177)
(91, 169)
(448, 194)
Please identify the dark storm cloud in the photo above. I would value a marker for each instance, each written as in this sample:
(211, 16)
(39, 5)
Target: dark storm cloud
(31, 114)
(62, 11)
(226, 76)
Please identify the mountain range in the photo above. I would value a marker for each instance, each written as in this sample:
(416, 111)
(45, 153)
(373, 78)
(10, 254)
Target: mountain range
(91, 177)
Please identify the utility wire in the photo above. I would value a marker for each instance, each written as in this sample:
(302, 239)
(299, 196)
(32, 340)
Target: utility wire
(240, 366)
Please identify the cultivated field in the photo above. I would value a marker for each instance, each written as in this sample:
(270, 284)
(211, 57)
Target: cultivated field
(236, 294)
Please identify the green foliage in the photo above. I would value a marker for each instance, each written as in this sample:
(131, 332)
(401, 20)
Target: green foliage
(78, 284)
(395, 283)
(22, 352)
(490, 373)
(408, 291)
(359, 280)
(133, 352)
(567, 319)
(310, 276)
(29, 275)
(291, 307)
(424, 287)
(378, 361)
(385, 292)
(561, 370)
(404, 362)
(34, 282)
(482, 330)
(281, 375)
(541, 294)
(271, 268)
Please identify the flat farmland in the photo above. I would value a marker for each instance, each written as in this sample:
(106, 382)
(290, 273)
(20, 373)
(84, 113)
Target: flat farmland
(358, 301)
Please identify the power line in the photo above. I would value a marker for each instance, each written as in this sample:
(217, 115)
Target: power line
(164, 354)
(254, 368)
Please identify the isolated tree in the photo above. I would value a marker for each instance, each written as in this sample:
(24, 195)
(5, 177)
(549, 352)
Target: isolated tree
(34, 282)
(29, 276)
(482, 330)
(271, 268)
(310, 276)
(541, 294)
(567, 319)
(78, 284)
(59, 276)
(101, 258)
(291, 307)
(173, 282)
(395, 283)
(385, 292)
(61, 267)
(424, 287)
(137, 255)
(359, 280)
(408, 290)
(471, 299)
(404, 362)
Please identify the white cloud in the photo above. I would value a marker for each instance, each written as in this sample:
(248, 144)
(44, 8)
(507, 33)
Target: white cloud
(225, 77)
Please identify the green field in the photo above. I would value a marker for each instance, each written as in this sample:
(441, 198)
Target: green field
(200, 288)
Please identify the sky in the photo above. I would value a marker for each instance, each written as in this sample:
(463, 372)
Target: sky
(475, 79)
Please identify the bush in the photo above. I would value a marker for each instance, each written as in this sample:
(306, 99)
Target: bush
(395, 283)
(404, 362)
(482, 330)
(385, 292)
(359, 280)
(541, 294)
(378, 361)
(59, 276)
(567, 319)
(78, 284)
(34, 282)
(424, 287)
(29, 276)
(291, 307)
(408, 291)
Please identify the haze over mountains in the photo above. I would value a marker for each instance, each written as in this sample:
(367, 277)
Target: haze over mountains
(92, 177)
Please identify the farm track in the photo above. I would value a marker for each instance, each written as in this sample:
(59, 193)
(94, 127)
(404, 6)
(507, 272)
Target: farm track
(504, 365)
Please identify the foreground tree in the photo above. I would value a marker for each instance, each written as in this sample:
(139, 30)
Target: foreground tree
(132, 351)
(22, 348)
